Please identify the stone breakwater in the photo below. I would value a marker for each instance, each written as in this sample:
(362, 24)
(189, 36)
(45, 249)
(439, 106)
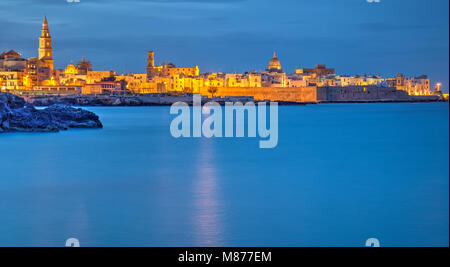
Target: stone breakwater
(18, 115)
(105, 100)
(133, 100)
(123, 100)
(333, 95)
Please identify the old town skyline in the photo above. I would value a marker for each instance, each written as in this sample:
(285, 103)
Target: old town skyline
(227, 46)
(37, 76)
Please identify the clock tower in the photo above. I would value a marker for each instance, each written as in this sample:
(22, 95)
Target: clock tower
(45, 46)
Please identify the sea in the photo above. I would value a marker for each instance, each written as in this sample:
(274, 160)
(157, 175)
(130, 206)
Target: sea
(340, 174)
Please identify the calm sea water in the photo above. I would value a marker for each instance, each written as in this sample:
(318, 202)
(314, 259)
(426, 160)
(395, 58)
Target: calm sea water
(342, 173)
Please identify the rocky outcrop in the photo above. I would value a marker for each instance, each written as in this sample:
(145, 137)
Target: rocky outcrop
(17, 115)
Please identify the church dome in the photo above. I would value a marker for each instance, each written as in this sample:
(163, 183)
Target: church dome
(71, 69)
(274, 63)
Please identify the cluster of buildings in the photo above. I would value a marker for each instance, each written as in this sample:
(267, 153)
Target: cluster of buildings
(38, 76)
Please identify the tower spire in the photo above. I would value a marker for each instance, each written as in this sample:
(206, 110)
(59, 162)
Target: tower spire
(45, 33)
(45, 45)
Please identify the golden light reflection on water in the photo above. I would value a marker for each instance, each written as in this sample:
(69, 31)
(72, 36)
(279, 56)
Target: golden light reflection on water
(208, 216)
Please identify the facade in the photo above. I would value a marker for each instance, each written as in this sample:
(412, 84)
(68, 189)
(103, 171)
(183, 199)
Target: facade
(71, 69)
(98, 76)
(12, 61)
(57, 90)
(363, 80)
(319, 70)
(71, 76)
(274, 79)
(84, 66)
(11, 80)
(243, 80)
(299, 83)
(102, 88)
(32, 73)
(419, 86)
(167, 69)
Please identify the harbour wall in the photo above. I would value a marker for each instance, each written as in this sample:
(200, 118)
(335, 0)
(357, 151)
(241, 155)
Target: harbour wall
(313, 94)
(310, 94)
(306, 94)
(368, 94)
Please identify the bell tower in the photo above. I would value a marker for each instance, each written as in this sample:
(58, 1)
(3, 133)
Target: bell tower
(150, 63)
(45, 46)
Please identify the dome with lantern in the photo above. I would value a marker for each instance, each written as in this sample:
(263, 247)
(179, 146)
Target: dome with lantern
(71, 69)
(274, 64)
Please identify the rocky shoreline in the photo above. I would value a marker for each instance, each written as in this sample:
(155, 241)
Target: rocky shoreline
(18, 115)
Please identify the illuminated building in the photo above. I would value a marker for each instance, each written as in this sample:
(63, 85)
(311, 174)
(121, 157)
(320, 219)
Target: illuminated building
(330, 80)
(319, 70)
(11, 80)
(12, 67)
(167, 69)
(98, 76)
(12, 61)
(181, 83)
(137, 83)
(45, 46)
(363, 80)
(274, 64)
(274, 79)
(419, 86)
(193, 85)
(214, 79)
(50, 82)
(162, 83)
(240, 80)
(71, 76)
(71, 69)
(32, 73)
(84, 66)
(102, 88)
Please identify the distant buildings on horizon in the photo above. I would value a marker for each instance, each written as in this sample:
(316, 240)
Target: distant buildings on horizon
(37, 75)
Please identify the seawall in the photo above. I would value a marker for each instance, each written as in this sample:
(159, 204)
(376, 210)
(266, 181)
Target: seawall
(285, 96)
(290, 94)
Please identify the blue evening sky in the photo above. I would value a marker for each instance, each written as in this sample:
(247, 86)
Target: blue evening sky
(353, 36)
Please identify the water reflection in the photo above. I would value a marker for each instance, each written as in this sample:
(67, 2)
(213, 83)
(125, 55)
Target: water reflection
(208, 206)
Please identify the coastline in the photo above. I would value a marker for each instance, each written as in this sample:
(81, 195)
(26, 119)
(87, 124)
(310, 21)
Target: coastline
(170, 99)
(136, 100)
(383, 101)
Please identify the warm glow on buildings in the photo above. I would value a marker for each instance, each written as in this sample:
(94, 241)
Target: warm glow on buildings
(38, 75)
(71, 69)
(167, 69)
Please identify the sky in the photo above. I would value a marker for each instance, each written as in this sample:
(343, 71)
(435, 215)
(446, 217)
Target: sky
(352, 36)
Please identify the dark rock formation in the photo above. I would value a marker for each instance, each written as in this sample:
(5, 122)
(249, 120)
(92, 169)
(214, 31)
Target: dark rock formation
(17, 115)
